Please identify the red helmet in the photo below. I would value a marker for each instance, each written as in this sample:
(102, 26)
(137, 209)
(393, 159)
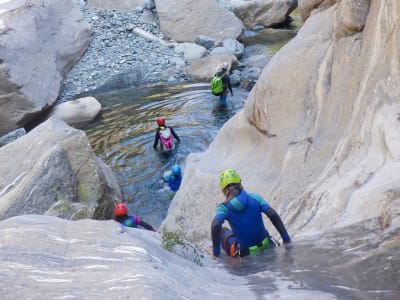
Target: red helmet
(161, 121)
(120, 209)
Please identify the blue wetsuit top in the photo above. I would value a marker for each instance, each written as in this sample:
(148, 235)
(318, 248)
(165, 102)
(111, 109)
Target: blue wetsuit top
(174, 181)
(131, 221)
(243, 213)
(134, 221)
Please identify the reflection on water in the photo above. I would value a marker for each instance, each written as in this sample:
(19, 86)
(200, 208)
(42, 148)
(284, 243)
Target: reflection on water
(123, 137)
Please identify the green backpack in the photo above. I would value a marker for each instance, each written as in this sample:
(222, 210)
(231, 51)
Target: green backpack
(216, 84)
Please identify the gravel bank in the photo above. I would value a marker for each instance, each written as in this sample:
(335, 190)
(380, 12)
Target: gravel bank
(116, 51)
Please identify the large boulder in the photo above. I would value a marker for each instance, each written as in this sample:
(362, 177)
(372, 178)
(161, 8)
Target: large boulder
(263, 12)
(121, 5)
(206, 67)
(41, 40)
(319, 134)
(184, 20)
(52, 170)
(78, 112)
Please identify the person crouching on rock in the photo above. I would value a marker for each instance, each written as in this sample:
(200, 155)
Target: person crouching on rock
(121, 216)
(243, 211)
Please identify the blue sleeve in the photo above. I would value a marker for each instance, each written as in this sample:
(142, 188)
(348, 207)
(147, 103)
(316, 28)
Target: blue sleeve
(167, 177)
(216, 225)
(222, 213)
(262, 203)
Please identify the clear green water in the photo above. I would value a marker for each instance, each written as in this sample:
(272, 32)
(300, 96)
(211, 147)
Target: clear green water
(123, 137)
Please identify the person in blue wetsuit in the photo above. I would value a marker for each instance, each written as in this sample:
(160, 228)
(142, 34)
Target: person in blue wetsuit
(173, 178)
(243, 211)
(121, 216)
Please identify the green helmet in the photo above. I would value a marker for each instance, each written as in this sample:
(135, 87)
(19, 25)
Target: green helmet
(227, 177)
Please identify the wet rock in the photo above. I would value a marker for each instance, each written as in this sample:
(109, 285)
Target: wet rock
(77, 112)
(39, 30)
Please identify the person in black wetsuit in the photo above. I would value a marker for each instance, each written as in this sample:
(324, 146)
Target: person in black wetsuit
(165, 135)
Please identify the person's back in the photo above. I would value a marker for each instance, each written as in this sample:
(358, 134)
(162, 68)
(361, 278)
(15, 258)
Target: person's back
(245, 219)
(243, 212)
(164, 135)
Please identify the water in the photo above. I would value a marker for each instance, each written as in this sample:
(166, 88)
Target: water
(346, 264)
(123, 136)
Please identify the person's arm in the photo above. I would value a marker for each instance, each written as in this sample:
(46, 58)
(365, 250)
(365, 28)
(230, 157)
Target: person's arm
(228, 83)
(175, 135)
(277, 221)
(216, 227)
(156, 138)
(146, 226)
(143, 224)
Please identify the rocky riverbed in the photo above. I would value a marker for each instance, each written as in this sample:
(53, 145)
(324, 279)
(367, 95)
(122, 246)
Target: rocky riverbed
(116, 51)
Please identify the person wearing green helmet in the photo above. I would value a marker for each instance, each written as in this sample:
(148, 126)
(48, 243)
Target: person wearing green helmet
(243, 211)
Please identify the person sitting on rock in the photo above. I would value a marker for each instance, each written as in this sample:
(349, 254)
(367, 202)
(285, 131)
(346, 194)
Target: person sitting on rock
(165, 135)
(121, 216)
(243, 211)
(174, 178)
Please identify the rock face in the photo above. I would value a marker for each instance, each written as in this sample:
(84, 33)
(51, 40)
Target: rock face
(89, 259)
(53, 171)
(319, 134)
(184, 20)
(40, 41)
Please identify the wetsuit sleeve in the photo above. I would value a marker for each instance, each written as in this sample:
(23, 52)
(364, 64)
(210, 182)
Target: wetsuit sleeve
(130, 221)
(276, 220)
(216, 227)
(175, 135)
(146, 225)
(168, 176)
(228, 82)
(156, 138)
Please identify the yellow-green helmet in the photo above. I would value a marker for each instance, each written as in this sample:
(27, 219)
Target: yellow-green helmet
(227, 177)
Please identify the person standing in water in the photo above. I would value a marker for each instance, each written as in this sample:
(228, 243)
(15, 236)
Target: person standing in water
(165, 135)
(221, 83)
